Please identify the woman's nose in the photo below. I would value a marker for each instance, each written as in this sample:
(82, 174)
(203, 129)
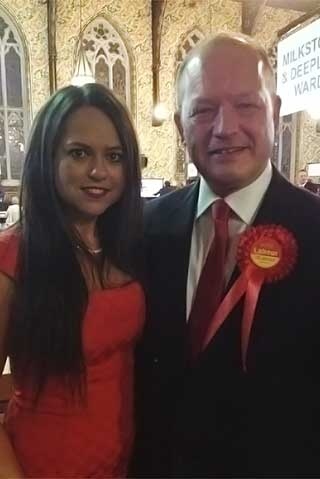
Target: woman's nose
(99, 168)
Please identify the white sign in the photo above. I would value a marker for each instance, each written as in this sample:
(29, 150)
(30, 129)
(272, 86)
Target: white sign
(298, 72)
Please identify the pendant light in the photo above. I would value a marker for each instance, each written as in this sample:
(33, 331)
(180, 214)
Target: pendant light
(82, 72)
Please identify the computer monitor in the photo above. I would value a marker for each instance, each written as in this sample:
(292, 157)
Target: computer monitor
(150, 186)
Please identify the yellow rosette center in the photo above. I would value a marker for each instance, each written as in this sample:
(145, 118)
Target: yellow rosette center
(265, 253)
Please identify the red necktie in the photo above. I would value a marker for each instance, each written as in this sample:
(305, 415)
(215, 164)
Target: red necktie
(211, 283)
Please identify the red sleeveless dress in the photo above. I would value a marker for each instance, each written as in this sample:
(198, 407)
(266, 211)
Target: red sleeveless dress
(61, 438)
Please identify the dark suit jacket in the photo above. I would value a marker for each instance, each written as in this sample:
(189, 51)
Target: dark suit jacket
(313, 187)
(212, 419)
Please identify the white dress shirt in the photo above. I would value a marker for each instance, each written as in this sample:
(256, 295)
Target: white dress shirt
(244, 205)
(13, 214)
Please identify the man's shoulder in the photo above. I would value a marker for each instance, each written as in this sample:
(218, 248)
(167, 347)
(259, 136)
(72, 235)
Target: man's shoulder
(160, 211)
(300, 210)
(310, 203)
(170, 201)
(314, 187)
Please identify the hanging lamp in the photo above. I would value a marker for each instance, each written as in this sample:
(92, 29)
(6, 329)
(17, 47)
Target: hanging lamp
(82, 72)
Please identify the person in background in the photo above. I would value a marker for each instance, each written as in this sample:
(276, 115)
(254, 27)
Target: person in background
(228, 368)
(167, 188)
(303, 181)
(302, 178)
(13, 211)
(3, 207)
(71, 301)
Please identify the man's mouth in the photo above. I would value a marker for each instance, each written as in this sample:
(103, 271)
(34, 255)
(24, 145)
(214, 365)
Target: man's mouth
(226, 150)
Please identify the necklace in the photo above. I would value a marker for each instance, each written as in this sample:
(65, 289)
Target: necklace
(89, 250)
(95, 251)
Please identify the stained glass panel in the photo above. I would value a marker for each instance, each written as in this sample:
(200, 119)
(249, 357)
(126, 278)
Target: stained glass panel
(13, 74)
(102, 72)
(119, 79)
(3, 162)
(1, 96)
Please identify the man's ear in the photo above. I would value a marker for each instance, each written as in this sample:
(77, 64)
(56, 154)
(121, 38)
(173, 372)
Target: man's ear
(276, 110)
(177, 120)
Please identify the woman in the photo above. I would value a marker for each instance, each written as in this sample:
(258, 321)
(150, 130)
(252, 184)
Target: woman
(71, 305)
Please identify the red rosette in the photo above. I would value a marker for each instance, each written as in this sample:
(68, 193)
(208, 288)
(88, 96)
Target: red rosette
(270, 249)
(266, 254)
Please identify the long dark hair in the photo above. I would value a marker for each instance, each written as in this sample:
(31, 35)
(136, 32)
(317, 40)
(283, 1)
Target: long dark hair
(51, 299)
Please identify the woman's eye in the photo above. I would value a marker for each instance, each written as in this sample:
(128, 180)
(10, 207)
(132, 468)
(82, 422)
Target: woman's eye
(115, 157)
(78, 153)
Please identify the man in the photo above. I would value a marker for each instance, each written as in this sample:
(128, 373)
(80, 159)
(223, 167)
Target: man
(304, 181)
(209, 411)
(302, 178)
(167, 188)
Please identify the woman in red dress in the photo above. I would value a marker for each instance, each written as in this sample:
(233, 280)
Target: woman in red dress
(71, 301)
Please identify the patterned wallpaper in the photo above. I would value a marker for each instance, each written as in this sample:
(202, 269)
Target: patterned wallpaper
(133, 21)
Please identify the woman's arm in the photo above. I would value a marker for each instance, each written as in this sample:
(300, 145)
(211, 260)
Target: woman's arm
(9, 466)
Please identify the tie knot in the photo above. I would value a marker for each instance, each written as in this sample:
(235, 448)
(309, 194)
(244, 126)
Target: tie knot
(222, 211)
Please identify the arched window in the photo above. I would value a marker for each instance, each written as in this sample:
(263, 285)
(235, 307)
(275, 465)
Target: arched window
(14, 115)
(108, 57)
(188, 43)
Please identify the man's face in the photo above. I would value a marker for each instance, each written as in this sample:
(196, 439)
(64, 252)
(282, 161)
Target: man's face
(228, 116)
(302, 178)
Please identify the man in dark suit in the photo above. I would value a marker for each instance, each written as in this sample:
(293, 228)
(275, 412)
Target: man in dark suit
(304, 182)
(209, 414)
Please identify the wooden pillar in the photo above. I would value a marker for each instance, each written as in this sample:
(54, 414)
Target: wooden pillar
(52, 50)
(251, 9)
(157, 12)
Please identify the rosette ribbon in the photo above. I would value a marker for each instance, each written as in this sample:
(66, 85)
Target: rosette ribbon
(266, 254)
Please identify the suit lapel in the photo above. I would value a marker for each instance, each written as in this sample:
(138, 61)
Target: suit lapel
(181, 236)
(168, 247)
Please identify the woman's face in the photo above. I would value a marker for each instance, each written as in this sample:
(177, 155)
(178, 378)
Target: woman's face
(89, 165)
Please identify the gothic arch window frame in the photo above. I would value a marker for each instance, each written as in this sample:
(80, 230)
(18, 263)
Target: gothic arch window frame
(20, 47)
(181, 153)
(93, 53)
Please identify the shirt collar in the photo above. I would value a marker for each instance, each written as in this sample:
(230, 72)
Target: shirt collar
(244, 202)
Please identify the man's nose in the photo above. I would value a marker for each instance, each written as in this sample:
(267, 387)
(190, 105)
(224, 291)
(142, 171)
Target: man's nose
(226, 122)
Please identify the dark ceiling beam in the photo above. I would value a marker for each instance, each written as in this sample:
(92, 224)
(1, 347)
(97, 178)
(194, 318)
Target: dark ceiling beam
(298, 21)
(298, 5)
(157, 13)
(250, 11)
(51, 36)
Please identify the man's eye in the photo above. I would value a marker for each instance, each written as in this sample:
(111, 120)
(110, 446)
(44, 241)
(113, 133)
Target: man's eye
(247, 105)
(201, 111)
(78, 153)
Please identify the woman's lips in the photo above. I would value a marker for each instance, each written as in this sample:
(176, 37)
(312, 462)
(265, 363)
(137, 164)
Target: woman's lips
(95, 192)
